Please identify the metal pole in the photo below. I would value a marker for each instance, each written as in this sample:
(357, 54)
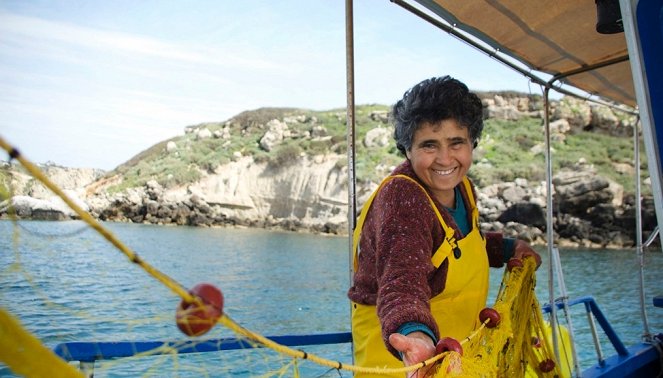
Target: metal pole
(638, 231)
(350, 125)
(595, 336)
(549, 222)
(565, 301)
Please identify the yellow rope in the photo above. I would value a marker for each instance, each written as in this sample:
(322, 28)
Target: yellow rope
(477, 343)
(87, 218)
(170, 283)
(295, 353)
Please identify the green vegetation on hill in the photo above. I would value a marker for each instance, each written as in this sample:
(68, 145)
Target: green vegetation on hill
(508, 149)
(505, 152)
(4, 184)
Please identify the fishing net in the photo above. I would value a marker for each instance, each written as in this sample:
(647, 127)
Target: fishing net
(519, 344)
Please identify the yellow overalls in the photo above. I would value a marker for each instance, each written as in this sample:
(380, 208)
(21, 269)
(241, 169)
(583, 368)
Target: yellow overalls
(456, 309)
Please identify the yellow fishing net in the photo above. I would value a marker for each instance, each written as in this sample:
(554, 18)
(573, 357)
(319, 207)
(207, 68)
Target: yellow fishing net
(520, 345)
(517, 345)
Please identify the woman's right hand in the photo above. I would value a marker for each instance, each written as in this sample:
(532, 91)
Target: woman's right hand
(415, 348)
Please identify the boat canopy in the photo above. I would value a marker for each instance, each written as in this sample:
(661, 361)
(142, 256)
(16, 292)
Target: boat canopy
(553, 37)
(561, 38)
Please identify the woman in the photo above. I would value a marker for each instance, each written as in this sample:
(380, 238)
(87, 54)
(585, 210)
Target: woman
(421, 265)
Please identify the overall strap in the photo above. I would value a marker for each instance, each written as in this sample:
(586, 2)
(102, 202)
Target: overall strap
(450, 240)
(472, 203)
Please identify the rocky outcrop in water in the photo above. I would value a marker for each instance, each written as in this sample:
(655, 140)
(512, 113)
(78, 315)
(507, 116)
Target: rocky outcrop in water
(32, 200)
(589, 210)
(310, 195)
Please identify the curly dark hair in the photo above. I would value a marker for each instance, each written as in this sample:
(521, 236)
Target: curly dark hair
(434, 100)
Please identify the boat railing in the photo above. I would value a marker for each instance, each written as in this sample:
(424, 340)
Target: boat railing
(595, 313)
(87, 353)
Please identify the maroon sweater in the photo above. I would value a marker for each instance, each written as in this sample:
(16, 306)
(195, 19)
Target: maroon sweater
(401, 232)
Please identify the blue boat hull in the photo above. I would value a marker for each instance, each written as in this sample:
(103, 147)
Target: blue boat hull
(643, 360)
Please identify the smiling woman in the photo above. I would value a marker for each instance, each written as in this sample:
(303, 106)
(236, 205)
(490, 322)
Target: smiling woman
(413, 244)
(441, 156)
(438, 124)
(421, 260)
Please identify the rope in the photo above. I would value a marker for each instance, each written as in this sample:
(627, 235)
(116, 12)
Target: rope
(87, 218)
(299, 354)
(182, 292)
(497, 348)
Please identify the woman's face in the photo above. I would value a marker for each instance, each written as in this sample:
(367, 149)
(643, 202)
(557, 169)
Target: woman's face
(441, 155)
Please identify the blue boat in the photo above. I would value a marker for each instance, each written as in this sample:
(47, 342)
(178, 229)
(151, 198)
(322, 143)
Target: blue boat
(584, 49)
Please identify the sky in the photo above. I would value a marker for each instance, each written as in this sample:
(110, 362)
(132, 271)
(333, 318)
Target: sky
(91, 83)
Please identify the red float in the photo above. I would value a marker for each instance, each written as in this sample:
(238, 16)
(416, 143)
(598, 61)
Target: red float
(514, 263)
(448, 344)
(547, 366)
(195, 319)
(491, 315)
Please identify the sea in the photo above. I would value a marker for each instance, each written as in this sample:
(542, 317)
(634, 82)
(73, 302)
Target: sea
(66, 283)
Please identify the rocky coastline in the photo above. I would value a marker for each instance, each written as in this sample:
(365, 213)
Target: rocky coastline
(310, 193)
(590, 211)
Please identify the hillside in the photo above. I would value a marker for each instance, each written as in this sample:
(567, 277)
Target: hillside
(287, 169)
(512, 145)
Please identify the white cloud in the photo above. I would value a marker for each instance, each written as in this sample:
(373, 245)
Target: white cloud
(99, 84)
(56, 39)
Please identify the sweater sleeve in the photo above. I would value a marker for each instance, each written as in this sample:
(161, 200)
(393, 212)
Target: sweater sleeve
(404, 244)
(495, 249)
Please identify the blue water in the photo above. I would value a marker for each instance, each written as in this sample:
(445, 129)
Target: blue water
(66, 283)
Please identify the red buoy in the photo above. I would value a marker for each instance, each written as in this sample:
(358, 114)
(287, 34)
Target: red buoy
(514, 263)
(448, 344)
(491, 315)
(195, 319)
(547, 366)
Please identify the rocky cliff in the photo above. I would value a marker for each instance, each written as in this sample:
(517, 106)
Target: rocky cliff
(269, 180)
(309, 194)
(32, 200)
